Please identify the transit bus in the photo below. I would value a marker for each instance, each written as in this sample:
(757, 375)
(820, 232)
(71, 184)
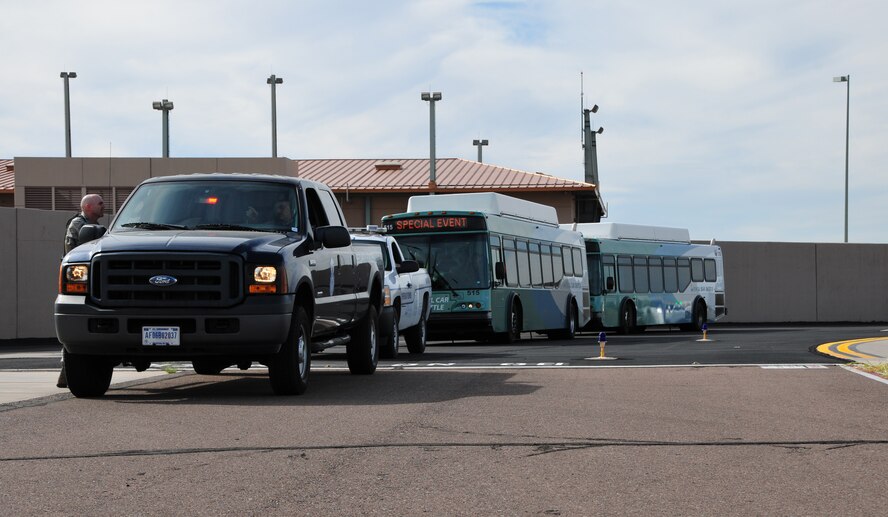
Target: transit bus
(499, 266)
(641, 276)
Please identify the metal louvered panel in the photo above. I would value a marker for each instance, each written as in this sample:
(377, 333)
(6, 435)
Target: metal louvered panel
(202, 280)
(68, 198)
(38, 197)
(120, 195)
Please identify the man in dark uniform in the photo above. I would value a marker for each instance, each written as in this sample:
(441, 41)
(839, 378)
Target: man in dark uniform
(92, 207)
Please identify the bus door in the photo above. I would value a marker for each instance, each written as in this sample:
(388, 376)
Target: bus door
(609, 303)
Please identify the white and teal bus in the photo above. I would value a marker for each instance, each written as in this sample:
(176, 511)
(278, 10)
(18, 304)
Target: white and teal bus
(499, 265)
(641, 276)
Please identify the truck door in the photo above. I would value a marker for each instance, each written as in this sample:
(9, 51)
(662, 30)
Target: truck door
(333, 276)
(409, 312)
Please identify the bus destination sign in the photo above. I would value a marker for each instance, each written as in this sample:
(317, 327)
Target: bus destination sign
(437, 223)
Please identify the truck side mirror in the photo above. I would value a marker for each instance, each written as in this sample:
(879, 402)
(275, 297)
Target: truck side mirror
(609, 284)
(499, 271)
(90, 232)
(332, 236)
(407, 266)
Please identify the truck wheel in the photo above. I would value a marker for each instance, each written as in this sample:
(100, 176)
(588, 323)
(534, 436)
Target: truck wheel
(288, 370)
(389, 348)
(208, 366)
(415, 336)
(88, 376)
(363, 350)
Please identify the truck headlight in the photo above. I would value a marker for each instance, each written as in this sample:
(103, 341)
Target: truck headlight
(265, 274)
(73, 278)
(267, 280)
(387, 294)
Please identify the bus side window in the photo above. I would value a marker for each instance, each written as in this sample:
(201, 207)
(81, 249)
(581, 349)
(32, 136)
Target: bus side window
(496, 256)
(684, 274)
(511, 257)
(594, 261)
(697, 269)
(670, 280)
(546, 255)
(640, 270)
(610, 273)
(579, 267)
(709, 271)
(557, 263)
(536, 268)
(568, 262)
(655, 268)
(523, 265)
(624, 274)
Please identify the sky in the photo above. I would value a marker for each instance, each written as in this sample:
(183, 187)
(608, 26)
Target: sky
(720, 117)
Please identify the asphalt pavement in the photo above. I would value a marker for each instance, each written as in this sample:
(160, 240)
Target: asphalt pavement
(29, 368)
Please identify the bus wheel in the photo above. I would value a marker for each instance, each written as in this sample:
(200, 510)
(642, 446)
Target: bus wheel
(699, 316)
(627, 318)
(513, 330)
(570, 331)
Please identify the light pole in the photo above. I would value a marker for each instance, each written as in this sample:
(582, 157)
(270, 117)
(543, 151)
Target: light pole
(589, 149)
(431, 97)
(274, 81)
(66, 76)
(479, 143)
(165, 106)
(846, 79)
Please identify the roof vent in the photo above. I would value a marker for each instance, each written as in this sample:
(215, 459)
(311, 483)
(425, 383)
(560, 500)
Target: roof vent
(388, 166)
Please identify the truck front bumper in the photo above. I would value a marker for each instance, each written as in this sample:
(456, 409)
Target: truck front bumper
(254, 328)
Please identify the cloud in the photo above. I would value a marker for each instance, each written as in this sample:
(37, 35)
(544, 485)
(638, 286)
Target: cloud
(719, 117)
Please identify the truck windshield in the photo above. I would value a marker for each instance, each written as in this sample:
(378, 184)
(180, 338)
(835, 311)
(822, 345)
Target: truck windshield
(211, 205)
(454, 261)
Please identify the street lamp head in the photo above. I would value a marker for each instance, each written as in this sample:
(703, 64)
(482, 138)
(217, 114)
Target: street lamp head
(68, 75)
(600, 130)
(840, 79)
(430, 96)
(594, 108)
(479, 142)
(162, 105)
(157, 105)
(274, 80)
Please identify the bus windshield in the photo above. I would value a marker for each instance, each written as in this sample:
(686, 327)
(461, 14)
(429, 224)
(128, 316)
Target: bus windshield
(454, 261)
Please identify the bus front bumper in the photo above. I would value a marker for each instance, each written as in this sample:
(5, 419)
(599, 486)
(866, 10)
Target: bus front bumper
(459, 324)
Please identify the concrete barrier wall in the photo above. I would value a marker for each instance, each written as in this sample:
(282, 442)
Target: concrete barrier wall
(29, 260)
(766, 282)
(776, 282)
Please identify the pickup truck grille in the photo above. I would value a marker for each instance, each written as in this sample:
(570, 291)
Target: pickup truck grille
(201, 280)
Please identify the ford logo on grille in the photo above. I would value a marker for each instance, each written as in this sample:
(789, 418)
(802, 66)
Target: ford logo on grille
(162, 280)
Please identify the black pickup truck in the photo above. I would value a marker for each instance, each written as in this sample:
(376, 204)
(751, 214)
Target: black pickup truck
(219, 270)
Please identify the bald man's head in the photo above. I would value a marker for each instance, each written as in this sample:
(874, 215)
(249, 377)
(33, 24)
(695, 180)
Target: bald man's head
(93, 207)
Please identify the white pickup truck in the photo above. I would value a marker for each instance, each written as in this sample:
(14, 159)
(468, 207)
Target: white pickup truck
(407, 291)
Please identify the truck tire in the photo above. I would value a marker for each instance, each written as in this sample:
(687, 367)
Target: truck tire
(363, 350)
(415, 336)
(389, 348)
(288, 370)
(207, 366)
(88, 376)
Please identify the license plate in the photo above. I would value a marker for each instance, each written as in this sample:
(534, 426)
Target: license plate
(160, 336)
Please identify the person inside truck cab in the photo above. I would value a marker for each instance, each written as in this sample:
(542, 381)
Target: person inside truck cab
(281, 215)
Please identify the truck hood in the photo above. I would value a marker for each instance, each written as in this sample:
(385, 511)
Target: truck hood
(210, 241)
